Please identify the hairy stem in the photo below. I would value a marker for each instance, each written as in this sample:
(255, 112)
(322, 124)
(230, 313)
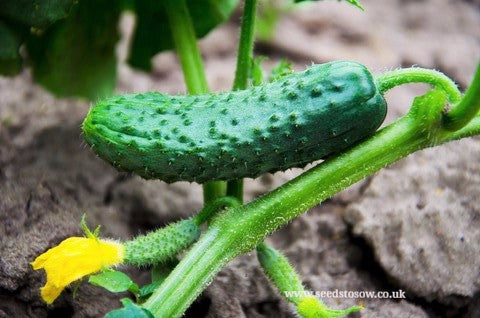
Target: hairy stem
(245, 47)
(183, 35)
(244, 60)
(190, 276)
(466, 110)
(185, 40)
(240, 229)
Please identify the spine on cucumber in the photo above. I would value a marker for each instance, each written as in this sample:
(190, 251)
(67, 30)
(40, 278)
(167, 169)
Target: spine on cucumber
(298, 119)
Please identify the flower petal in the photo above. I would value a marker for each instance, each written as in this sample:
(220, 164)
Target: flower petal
(73, 259)
(50, 292)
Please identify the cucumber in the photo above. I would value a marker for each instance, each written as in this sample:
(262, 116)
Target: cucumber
(291, 122)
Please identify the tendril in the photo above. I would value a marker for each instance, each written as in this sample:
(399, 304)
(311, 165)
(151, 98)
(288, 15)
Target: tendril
(437, 79)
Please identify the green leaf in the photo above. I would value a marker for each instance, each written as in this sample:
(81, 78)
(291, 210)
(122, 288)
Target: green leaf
(76, 56)
(113, 281)
(355, 3)
(129, 310)
(147, 290)
(159, 274)
(153, 35)
(86, 230)
(10, 40)
(269, 13)
(35, 13)
(284, 67)
(256, 71)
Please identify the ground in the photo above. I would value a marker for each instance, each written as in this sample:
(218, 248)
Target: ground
(413, 226)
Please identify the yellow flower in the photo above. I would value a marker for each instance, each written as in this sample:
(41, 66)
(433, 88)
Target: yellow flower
(73, 259)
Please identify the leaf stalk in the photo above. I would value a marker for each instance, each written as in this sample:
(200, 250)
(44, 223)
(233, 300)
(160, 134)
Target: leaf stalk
(185, 40)
(244, 62)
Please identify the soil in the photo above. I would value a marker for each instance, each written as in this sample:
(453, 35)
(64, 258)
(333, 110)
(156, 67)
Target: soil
(413, 226)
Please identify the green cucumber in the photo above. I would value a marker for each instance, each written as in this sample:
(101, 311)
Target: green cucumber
(291, 122)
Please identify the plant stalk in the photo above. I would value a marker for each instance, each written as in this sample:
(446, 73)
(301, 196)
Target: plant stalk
(183, 34)
(240, 229)
(464, 111)
(244, 60)
(245, 46)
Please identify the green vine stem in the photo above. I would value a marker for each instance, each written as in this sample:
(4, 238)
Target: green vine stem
(279, 271)
(245, 46)
(244, 60)
(284, 277)
(468, 107)
(183, 34)
(240, 229)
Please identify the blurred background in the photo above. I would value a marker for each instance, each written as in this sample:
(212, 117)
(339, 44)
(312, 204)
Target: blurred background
(414, 226)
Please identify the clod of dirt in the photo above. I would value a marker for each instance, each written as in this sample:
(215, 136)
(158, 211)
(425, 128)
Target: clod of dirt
(421, 218)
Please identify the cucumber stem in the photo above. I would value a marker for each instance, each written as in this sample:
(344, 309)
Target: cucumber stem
(461, 114)
(280, 272)
(244, 60)
(398, 77)
(213, 190)
(187, 280)
(183, 33)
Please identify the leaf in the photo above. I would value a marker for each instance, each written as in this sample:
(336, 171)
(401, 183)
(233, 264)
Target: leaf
(256, 71)
(152, 34)
(148, 290)
(113, 281)
(355, 3)
(76, 56)
(268, 14)
(284, 67)
(10, 60)
(38, 13)
(129, 310)
(159, 274)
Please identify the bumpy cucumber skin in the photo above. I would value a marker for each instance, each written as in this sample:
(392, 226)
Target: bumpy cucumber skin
(161, 245)
(301, 118)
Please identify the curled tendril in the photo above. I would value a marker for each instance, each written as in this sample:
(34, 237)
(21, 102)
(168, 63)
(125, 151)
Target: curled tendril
(437, 79)
(465, 107)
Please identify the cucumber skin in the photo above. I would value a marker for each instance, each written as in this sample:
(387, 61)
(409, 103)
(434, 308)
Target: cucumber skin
(289, 123)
